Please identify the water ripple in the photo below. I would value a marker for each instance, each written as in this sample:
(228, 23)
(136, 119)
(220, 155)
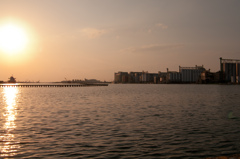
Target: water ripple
(124, 121)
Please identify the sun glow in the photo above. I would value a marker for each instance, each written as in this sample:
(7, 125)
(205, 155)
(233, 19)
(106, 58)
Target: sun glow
(13, 38)
(8, 144)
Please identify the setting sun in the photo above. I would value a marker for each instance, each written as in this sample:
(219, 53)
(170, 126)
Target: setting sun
(13, 38)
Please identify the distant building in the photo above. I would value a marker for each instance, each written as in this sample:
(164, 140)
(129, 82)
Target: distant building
(152, 77)
(191, 74)
(121, 77)
(162, 77)
(230, 69)
(210, 77)
(156, 80)
(134, 77)
(92, 81)
(229, 72)
(173, 77)
(117, 77)
(12, 80)
(146, 77)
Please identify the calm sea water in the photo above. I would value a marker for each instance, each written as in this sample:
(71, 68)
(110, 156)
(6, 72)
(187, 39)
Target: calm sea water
(120, 121)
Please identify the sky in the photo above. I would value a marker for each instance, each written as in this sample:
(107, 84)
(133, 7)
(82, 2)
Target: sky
(78, 39)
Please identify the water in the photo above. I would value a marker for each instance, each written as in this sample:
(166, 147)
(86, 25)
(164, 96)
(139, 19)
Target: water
(120, 121)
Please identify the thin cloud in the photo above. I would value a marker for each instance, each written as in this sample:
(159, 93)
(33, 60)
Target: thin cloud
(157, 27)
(93, 33)
(162, 26)
(153, 48)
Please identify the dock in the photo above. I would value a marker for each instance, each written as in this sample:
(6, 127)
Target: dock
(51, 85)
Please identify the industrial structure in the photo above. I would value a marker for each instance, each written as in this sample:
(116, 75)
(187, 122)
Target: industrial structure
(185, 75)
(173, 77)
(229, 73)
(191, 74)
(135, 77)
(230, 69)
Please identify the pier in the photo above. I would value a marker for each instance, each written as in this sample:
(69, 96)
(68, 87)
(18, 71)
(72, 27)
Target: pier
(51, 85)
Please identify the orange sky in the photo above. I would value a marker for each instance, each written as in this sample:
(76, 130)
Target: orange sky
(93, 39)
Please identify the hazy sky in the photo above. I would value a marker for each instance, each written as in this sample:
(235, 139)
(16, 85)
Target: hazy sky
(77, 39)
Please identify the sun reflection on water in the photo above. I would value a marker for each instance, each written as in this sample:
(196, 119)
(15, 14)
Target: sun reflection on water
(8, 144)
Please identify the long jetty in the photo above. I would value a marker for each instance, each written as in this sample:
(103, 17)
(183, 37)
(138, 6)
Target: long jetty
(51, 85)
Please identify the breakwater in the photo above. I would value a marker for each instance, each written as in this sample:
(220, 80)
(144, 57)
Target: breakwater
(51, 85)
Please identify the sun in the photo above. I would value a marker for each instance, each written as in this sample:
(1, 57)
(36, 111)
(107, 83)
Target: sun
(13, 38)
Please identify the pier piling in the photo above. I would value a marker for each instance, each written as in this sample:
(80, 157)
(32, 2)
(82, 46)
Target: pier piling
(51, 85)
